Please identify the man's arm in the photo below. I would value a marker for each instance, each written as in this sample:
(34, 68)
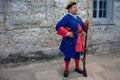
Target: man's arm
(85, 25)
(65, 32)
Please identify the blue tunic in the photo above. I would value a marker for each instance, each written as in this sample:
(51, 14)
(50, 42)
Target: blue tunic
(67, 45)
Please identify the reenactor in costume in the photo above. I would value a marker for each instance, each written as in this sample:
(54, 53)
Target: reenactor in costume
(70, 27)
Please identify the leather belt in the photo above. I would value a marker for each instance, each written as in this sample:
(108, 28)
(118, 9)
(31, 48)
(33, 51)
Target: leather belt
(80, 31)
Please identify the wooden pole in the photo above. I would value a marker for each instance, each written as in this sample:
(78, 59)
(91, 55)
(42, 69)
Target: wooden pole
(84, 55)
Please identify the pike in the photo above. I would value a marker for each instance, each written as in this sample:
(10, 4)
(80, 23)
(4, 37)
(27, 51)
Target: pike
(84, 55)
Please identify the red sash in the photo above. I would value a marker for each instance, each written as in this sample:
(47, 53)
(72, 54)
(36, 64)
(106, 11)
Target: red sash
(80, 41)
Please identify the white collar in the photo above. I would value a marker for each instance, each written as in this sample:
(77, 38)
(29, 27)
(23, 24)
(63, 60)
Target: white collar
(75, 16)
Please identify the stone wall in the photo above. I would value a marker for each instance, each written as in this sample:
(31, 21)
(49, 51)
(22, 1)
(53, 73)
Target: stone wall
(104, 33)
(28, 26)
(25, 26)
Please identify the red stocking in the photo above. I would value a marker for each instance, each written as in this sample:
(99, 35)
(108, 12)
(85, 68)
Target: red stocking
(67, 66)
(77, 63)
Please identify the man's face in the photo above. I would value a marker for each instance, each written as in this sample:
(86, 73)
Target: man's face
(73, 9)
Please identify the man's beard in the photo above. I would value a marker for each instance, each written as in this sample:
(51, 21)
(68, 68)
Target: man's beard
(75, 13)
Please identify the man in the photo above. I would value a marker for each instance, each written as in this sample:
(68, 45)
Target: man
(72, 45)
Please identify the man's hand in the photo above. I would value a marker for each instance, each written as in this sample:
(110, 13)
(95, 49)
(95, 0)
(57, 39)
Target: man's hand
(87, 21)
(70, 34)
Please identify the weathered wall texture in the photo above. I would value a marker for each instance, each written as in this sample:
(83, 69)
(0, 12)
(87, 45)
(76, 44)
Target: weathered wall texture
(28, 25)
(25, 26)
(106, 32)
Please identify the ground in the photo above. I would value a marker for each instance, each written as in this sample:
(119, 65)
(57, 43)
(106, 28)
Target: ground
(99, 67)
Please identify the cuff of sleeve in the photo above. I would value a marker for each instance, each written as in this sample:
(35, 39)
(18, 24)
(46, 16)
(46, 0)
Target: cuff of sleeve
(63, 32)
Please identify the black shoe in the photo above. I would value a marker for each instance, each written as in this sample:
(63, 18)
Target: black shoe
(65, 74)
(79, 71)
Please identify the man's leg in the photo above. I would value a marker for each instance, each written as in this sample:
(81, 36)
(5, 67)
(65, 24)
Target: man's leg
(77, 63)
(77, 60)
(67, 63)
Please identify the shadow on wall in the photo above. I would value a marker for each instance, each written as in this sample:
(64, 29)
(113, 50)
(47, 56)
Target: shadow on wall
(30, 56)
(103, 47)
